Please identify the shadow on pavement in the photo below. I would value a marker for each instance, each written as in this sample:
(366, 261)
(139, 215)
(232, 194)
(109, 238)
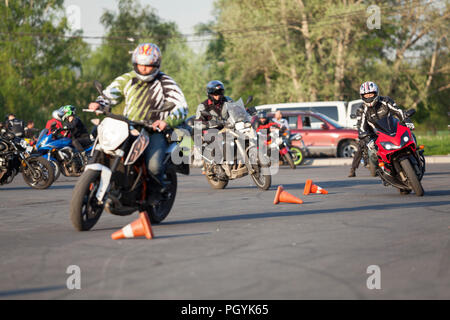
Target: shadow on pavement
(250, 216)
(9, 293)
(436, 173)
(436, 193)
(335, 183)
(29, 188)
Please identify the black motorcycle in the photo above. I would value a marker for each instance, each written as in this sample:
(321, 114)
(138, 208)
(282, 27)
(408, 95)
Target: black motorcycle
(15, 157)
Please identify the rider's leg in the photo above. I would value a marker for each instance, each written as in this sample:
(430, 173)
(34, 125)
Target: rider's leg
(155, 154)
(356, 160)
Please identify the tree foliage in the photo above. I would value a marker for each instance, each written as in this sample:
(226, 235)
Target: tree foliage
(277, 50)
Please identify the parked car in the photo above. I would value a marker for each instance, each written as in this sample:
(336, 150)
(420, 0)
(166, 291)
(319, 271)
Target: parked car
(322, 136)
(339, 111)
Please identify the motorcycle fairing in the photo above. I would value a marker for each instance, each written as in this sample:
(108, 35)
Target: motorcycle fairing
(105, 178)
(137, 148)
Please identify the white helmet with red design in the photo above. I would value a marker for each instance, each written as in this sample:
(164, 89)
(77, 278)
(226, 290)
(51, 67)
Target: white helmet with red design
(369, 87)
(147, 54)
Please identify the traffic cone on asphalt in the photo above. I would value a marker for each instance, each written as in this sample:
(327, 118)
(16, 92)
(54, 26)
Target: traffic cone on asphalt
(138, 228)
(284, 196)
(312, 188)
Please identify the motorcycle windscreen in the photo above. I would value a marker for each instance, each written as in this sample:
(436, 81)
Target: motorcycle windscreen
(387, 125)
(42, 135)
(137, 148)
(236, 112)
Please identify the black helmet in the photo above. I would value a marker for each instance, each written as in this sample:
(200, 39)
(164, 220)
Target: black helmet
(215, 88)
(262, 114)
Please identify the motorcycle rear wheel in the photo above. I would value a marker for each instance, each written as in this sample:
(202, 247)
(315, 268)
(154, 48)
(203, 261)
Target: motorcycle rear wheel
(157, 213)
(413, 181)
(297, 155)
(84, 210)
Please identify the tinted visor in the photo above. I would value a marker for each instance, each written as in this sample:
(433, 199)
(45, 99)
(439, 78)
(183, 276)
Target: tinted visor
(216, 91)
(369, 100)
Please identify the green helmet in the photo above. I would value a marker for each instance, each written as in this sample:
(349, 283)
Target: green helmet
(67, 111)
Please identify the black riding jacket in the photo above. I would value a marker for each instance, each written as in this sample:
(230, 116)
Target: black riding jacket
(384, 107)
(208, 105)
(77, 128)
(15, 126)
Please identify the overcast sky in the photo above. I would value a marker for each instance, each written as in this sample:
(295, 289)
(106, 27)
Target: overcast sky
(185, 13)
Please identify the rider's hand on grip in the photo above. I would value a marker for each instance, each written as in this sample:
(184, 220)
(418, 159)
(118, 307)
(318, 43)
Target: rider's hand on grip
(410, 125)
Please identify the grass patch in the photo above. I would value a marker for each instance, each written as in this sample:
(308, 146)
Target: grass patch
(438, 144)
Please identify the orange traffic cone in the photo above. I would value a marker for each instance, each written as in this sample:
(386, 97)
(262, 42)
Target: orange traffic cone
(284, 196)
(312, 188)
(138, 228)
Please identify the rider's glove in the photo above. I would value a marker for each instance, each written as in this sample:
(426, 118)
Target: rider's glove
(371, 145)
(410, 125)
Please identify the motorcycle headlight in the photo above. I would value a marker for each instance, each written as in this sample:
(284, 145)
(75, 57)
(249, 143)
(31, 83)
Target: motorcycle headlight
(389, 146)
(112, 133)
(405, 138)
(23, 144)
(240, 125)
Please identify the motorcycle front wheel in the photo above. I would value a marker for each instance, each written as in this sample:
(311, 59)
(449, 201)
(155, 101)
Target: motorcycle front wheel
(57, 169)
(289, 160)
(216, 183)
(263, 182)
(41, 174)
(84, 208)
(413, 180)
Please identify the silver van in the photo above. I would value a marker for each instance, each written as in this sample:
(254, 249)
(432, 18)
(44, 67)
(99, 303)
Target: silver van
(339, 111)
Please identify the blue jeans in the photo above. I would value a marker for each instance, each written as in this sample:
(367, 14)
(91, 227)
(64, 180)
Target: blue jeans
(155, 153)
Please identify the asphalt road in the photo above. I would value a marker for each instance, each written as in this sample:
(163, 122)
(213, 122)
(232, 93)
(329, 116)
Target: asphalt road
(236, 244)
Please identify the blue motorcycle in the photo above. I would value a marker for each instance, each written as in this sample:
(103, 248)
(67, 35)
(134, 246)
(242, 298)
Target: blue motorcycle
(59, 151)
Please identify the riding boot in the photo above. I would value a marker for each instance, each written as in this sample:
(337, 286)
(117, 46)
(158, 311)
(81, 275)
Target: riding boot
(352, 173)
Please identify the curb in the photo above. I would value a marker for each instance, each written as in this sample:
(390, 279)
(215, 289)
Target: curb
(348, 161)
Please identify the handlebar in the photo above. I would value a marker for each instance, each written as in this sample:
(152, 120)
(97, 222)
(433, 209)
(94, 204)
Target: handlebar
(145, 123)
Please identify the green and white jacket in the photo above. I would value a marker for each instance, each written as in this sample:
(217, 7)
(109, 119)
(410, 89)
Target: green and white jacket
(141, 97)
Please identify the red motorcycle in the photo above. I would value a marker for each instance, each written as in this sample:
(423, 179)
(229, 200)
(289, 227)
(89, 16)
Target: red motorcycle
(278, 140)
(399, 161)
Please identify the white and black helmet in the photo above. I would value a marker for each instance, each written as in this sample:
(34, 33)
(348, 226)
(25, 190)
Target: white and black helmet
(369, 87)
(147, 54)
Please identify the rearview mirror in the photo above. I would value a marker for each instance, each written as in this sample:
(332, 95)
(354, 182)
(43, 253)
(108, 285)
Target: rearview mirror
(251, 111)
(324, 126)
(410, 112)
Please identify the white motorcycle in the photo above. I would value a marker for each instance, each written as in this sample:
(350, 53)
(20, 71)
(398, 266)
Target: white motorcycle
(117, 180)
(246, 157)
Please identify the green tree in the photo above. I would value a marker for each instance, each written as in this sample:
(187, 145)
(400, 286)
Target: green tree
(134, 24)
(40, 58)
